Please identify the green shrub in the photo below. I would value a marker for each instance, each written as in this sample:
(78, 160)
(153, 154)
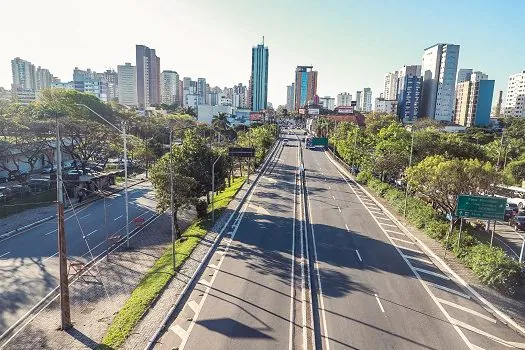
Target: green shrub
(201, 207)
(363, 177)
(437, 229)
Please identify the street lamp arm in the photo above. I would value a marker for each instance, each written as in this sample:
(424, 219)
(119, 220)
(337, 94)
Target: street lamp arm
(101, 117)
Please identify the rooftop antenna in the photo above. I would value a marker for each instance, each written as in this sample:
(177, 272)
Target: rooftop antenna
(263, 41)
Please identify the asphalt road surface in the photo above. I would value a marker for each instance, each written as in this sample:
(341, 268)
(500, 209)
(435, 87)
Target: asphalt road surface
(29, 261)
(370, 285)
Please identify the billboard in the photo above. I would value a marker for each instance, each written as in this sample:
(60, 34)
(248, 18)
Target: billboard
(345, 110)
(256, 116)
(301, 111)
(313, 111)
(353, 103)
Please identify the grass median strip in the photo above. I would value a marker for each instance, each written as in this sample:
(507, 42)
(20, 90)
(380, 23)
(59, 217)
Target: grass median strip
(161, 273)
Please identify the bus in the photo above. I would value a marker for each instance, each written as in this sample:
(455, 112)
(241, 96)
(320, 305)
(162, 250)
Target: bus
(513, 194)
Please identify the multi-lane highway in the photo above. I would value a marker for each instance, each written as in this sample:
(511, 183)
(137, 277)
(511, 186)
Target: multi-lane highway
(316, 263)
(29, 262)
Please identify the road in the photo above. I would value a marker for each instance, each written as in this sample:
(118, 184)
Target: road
(323, 266)
(509, 239)
(29, 262)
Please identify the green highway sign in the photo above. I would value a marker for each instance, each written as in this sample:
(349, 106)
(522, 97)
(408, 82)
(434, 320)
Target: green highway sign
(481, 207)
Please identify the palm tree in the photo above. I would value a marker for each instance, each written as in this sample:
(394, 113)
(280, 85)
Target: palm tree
(220, 123)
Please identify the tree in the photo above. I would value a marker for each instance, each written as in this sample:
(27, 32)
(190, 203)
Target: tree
(391, 151)
(220, 123)
(442, 179)
(515, 170)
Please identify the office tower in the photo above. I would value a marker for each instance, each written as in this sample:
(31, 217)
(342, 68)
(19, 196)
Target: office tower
(440, 63)
(169, 86)
(290, 97)
(201, 90)
(499, 104)
(24, 75)
(463, 75)
(390, 91)
(409, 93)
(367, 100)
(43, 78)
(305, 85)
(111, 78)
(127, 85)
(327, 102)
(148, 76)
(474, 101)
(344, 99)
(359, 100)
(259, 78)
(239, 96)
(515, 99)
(90, 82)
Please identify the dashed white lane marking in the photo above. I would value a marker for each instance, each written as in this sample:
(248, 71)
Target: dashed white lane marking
(89, 234)
(347, 228)
(339, 209)
(118, 217)
(1, 256)
(358, 255)
(379, 302)
(418, 259)
(410, 250)
(432, 273)
(179, 331)
(466, 309)
(333, 197)
(47, 234)
(204, 283)
(49, 257)
(508, 344)
(329, 188)
(83, 217)
(402, 240)
(450, 290)
(193, 305)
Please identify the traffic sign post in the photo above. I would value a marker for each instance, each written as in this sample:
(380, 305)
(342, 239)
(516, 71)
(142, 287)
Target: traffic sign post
(242, 152)
(481, 207)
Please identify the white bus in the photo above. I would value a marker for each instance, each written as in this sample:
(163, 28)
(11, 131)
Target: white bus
(513, 194)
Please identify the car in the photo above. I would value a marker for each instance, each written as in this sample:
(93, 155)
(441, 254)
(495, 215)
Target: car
(17, 175)
(285, 142)
(509, 212)
(18, 192)
(48, 169)
(39, 185)
(3, 179)
(74, 172)
(518, 222)
(3, 194)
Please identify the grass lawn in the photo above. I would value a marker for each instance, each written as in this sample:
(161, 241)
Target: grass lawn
(161, 273)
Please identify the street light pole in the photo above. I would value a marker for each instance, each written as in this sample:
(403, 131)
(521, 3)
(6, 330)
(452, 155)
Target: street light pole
(213, 189)
(123, 132)
(174, 260)
(409, 165)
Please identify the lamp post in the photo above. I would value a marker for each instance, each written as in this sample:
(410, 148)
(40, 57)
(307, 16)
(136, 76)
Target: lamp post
(213, 189)
(123, 132)
(409, 165)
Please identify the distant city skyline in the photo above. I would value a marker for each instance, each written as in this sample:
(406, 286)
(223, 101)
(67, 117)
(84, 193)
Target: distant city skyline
(362, 62)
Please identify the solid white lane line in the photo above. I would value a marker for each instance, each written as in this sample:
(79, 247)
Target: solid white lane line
(339, 209)
(89, 234)
(450, 290)
(118, 217)
(1, 256)
(432, 273)
(402, 240)
(347, 228)
(47, 234)
(292, 273)
(466, 309)
(379, 302)
(83, 217)
(418, 259)
(508, 344)
(49, 257)
(358, 255)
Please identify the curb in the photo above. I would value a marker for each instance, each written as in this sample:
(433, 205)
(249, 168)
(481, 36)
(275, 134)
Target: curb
(79, 205)
(461, 281)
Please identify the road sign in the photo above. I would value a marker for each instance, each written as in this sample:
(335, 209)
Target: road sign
(243, 152)
(319, 141)
(481, 207)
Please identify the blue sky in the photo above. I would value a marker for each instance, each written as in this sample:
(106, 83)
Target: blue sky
(351, 43)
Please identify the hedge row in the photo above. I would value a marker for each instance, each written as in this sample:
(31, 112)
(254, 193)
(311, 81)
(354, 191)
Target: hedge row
(490, 264)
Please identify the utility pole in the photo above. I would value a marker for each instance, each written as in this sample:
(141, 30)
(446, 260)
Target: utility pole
(409, 165)
(213, 189)
(173, 238)
(65, 311)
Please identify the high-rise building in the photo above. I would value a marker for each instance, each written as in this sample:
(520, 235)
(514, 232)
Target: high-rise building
(409, 93)
(201, 90)
(259, 78)
(344, 99)
(148, 76)
(43, 78)
(127, 85)
(112, 79)
(515, 99)
(90, 82)
(239, 96)
(497, 114)
(359, 100)
(367, 100)
(305, 85)
(382, 105)
(24, 75)
(179, 93)
(169, 86)
(290, 97)
(463, 75)
(327, 102)
(439, 68)
(474, 101)
(390, 91)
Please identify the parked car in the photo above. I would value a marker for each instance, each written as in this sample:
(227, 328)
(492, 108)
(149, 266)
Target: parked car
(518, 222)
(3, 179)
(17, 175)
(48, 169)
(514, 207)
(75, 172)
(3, 194)
(509, 212)
(18, 192)
(39, 185)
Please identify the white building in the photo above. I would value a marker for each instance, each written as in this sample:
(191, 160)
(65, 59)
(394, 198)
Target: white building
(390, 91)
(327, 102)
(383, 105)
(24, 74)
(59, 85)
(43, 78)
(366, 103)
(344, 99)
(359, 101)
(127, 85)
(440, 64)
(169, 86)
(515, 99)
(205, 113)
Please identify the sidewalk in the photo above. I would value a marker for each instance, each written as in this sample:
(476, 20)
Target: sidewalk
(26, 219)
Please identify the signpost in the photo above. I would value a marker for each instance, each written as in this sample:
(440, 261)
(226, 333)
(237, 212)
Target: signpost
(481, 207)
(242, 152)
